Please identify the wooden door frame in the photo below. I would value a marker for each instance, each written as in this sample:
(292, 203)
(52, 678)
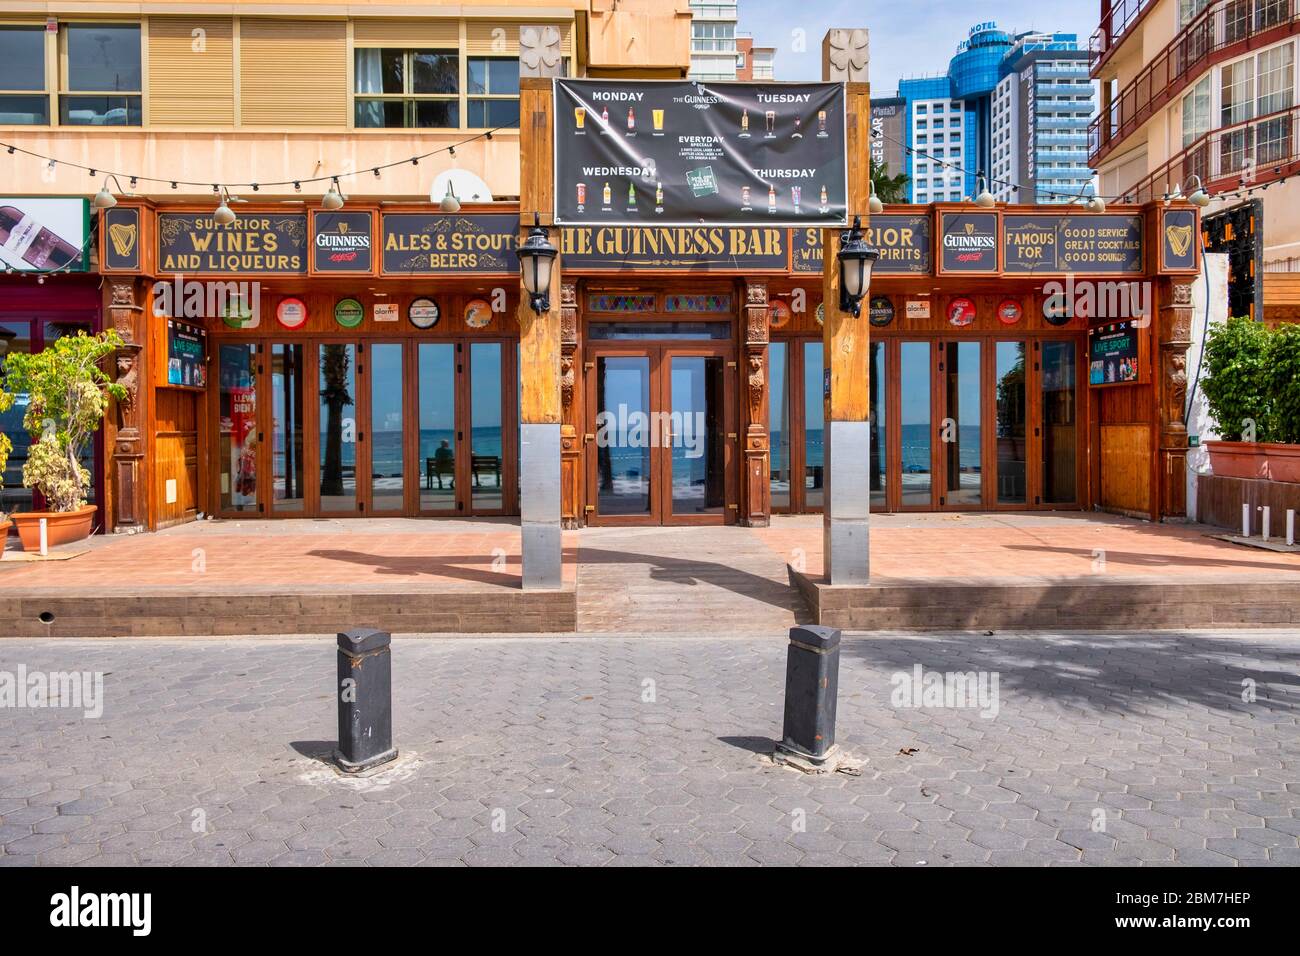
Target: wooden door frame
(213, 428)
(730, 434)
(594, 353)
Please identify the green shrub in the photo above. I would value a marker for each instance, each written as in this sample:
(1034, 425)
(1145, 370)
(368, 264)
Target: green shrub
(6, 446)
(1238, 382)
(1284, 387)
(67, 394)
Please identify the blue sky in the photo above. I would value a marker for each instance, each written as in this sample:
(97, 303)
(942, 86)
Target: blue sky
(907, 39)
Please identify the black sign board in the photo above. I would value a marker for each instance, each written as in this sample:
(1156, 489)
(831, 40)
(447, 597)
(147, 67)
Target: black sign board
(678, 152)
(1094, 244)
(121, 227)
(255, 243)
(681, 248)
(342, 243)
(433, 244)
(904, 242)
(187, 355)
(1178, 240)
(1113, 354)
(968, 242)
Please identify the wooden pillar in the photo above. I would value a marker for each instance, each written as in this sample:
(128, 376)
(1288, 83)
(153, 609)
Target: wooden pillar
(1173, 336)
(539, 352)
(758, 488)
(126, 436)
(571, 510)
(846, 343)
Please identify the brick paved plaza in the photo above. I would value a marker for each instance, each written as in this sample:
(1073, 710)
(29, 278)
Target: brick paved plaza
(1111, 749)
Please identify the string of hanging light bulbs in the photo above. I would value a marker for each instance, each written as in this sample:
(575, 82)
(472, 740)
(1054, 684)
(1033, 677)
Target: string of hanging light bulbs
(105, 198)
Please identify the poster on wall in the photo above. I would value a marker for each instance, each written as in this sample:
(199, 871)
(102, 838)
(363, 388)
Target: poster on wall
(44, 235)
(1113, 354)
(681, 152)
(187, 355)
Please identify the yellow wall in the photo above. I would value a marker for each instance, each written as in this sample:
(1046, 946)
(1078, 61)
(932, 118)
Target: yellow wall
(269, 98)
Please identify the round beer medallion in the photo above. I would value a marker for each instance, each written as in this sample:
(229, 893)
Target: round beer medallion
(237, 313)
(291, 313)
(423, 313)
(961, 312)
(882, 311)
(1055, 310)
(821, 313)
(478, 314)
(778, 314)
(1009, 312)
(348, 313)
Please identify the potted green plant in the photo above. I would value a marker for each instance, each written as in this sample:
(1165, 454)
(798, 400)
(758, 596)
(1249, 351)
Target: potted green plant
(1236, 386)
(67, 394)
(1284, 388)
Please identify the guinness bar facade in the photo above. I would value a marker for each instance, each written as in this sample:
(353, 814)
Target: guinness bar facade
(365, 362)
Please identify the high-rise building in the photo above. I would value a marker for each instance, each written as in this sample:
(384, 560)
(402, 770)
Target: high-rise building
(754, 62)
(972, 118)
(713, 40)
(1041, 107)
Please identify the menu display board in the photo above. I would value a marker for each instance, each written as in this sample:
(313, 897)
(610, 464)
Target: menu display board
(432, 244)
(679, 152)
(255, 243)
(1097, 244)
(187, 355)
(1113, 354)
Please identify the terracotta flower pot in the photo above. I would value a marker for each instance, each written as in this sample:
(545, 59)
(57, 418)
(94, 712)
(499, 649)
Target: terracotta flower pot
(1283, 461)
(1238, 459)
(61, 527)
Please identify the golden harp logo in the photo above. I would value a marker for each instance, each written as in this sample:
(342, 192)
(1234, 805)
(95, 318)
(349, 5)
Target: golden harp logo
(1179, 239)
(123, 236)
(970, 228)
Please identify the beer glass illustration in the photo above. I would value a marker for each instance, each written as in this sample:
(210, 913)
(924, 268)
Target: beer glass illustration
(796, 193)
(580, 117)
(771, 122)
(659, 120)
(821, 122)
(582, 195)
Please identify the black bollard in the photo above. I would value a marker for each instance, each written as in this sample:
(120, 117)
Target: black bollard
(812, 678)
(365, 689)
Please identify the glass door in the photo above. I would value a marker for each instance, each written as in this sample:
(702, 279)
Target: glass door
(1060, 417)
(288, 382)
(387, 419)
(238, 434)
(339, 437)
(1011, 433)
(915, 431)
(621, 470)
(697, 448)
(961, 428)
(661, 443)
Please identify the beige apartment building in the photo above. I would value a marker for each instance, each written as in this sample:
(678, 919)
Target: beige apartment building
(1205, 89)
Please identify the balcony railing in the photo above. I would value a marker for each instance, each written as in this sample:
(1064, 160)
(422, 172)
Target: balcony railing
(1249, 153)
(1114, 25)
(1218, 32)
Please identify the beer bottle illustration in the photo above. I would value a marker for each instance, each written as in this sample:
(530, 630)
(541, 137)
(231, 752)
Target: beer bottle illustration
(659, 196)
(606, 197)
(825, 200)
(771, 199)
(744, 197)
(798, 128)
(631, 194)
(631, 120)
(744, 122)
(604, 115)
(23, 237)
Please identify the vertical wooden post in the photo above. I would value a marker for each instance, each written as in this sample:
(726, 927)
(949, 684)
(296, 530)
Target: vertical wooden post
(571, 511)
(1173, 327)
(126, 435)
(539, 352)
(846, 346)
(757, 453)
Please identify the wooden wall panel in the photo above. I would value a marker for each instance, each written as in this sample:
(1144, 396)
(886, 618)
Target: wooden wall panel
(1219, 500)
(1126, 467)
(176, 456)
